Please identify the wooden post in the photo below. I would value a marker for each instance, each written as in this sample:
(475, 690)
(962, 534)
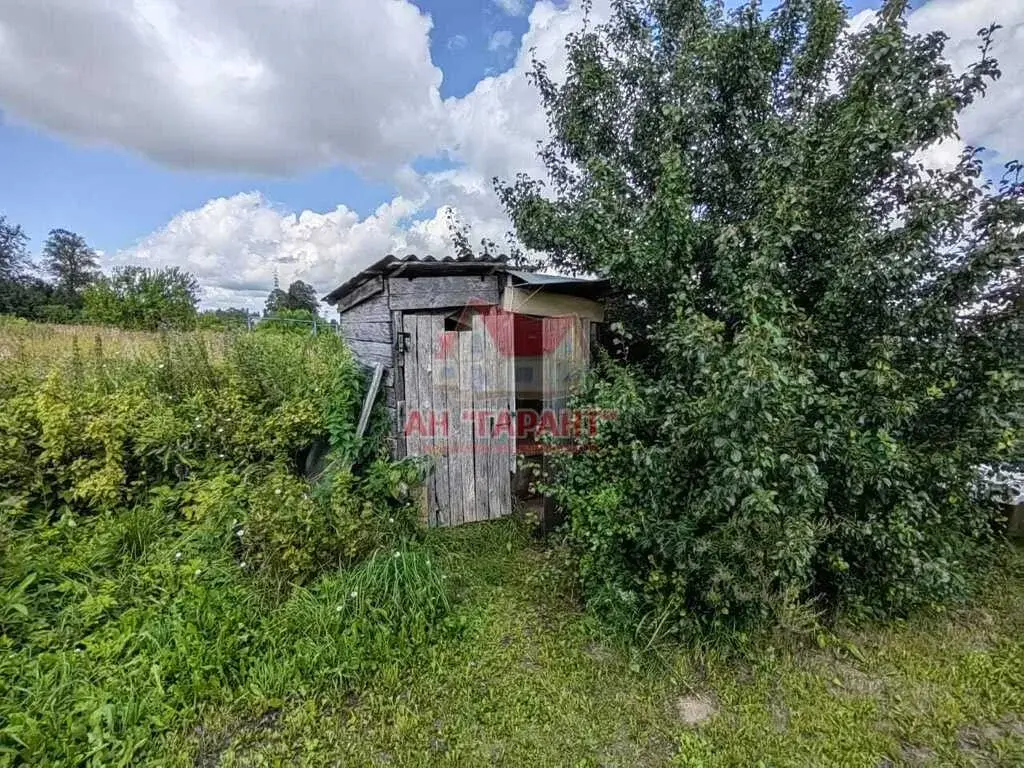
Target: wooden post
(1016, 526)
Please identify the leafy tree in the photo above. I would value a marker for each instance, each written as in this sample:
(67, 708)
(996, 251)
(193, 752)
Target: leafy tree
(231, 318)
(13, 250)
(299, 296)
(277, 301)
(300, 321)
(146, 299)
(302, 296)
(825, 334)
(33, 298)
(460, 237)
(71, 261)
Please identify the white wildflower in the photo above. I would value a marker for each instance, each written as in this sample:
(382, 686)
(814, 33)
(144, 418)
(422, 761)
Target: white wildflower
(339, 609)
(240, 533)
(391, 519)
(398, 554)
(198, 571)
(353, 594)
(177, 555)
(277, 491)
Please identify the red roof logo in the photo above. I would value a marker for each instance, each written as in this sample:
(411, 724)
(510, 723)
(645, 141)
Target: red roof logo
(513, 334)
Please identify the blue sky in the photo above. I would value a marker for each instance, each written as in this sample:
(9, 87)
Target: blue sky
(129, 159)
(113, 196)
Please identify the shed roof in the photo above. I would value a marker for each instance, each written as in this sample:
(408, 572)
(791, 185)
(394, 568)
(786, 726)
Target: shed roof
(420, 266)
(577, 286)
(412, 265)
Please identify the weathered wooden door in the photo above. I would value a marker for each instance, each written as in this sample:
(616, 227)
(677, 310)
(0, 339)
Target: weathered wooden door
(566, 345)
(459, 412)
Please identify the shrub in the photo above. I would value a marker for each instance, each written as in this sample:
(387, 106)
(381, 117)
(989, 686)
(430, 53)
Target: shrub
(143, 299)
(156, 521)
(822, 335)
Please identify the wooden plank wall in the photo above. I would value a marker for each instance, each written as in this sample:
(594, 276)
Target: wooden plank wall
(368, 331)
(448, 377)
(566, 343)
(371, 322)
(454, 291)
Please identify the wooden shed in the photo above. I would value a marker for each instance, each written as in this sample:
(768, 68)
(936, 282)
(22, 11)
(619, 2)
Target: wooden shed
(478, 362)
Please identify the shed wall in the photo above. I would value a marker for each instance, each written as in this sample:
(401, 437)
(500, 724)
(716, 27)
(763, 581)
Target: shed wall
(371, 322)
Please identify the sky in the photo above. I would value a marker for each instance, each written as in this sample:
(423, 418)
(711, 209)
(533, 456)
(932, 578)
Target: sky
(307, 138)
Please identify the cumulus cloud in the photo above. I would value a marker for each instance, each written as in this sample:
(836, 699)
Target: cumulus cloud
(269, 87)
(279, 86)
(499, 40)
(236, 245)
(457, 42)
(512, 7)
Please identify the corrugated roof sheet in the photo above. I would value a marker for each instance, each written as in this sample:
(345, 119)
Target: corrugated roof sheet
(538, 278)
(411, 263)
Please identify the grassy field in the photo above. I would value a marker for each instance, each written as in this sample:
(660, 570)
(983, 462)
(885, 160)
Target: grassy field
(174, 592)
(531, 682)
(22, 341)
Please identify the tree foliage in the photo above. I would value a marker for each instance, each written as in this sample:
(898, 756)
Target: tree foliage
(70, 260)
(232, 318)
(138, 298)
(824, 334)
(302, 296)
(299, 296)
(13, 250)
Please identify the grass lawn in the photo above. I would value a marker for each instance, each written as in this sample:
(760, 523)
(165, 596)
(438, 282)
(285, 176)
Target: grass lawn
(529, 682)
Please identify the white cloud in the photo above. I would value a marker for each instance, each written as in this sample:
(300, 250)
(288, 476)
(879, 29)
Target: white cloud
(512, 7)
(942, 155)
(499, 40)
(235, 245)
(268, 87)
(495, 128)
(457, 42)
(241, 86)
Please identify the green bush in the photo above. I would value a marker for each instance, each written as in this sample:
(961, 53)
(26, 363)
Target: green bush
(164, 549)
(821, 335)
(139, 298)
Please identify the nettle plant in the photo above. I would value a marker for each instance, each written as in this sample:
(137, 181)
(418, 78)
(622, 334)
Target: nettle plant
(824, 335)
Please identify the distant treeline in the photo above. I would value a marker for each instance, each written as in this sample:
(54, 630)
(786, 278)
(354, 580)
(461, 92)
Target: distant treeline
(67, 286)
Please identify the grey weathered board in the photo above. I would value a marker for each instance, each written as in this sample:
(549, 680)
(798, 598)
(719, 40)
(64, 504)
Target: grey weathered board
(356, 330)
(442, 496)
(448, 377)
(359, 294)
(455, 514)
(566, 344)
(464, 441)
(371, 352)
(439, 292)
(373, 310)
(497, 399)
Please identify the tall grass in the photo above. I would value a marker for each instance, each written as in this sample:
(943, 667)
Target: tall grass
(162, 551)
(21, 340)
